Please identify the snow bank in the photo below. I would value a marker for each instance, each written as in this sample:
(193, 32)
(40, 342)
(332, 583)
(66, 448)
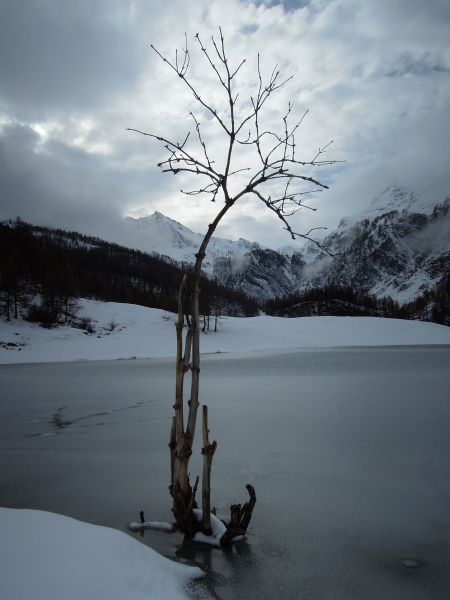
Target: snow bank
(124, 331)
(45, 556)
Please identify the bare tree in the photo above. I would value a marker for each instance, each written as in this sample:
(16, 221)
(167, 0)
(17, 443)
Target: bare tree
(278, 169)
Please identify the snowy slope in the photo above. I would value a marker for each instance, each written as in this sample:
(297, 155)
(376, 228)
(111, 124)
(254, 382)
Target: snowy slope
(243, 265)
(399, 246)
(140, 332)
(157, 233)
(421, 199)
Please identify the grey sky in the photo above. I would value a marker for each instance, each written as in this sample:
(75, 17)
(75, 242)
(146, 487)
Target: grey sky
(375, 76)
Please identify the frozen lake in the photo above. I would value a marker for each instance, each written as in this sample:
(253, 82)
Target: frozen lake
(348, 450)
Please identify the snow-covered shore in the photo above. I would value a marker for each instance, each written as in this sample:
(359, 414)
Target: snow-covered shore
(150, 333)
(45, 556)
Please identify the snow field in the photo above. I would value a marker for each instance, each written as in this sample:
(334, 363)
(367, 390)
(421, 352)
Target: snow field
(139, 332)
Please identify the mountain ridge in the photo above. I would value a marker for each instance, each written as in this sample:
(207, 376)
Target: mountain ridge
(399, 245)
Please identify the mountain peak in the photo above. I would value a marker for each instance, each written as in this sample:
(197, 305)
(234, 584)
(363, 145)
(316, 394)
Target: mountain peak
(398, 198)
(379, 254)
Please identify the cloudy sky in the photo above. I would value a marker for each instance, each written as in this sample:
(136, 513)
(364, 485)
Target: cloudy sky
(374, 74)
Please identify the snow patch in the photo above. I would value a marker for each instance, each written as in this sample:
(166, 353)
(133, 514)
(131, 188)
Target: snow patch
(218, 529)
(156, 525)
(45, 556)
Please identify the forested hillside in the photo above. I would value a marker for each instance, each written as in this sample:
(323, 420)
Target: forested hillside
(43, 271)
(433, 305)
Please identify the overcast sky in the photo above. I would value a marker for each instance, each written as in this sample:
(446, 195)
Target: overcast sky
(374, 74)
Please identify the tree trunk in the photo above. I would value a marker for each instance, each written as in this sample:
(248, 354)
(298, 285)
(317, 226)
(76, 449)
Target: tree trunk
(208, 453)
(181, 439)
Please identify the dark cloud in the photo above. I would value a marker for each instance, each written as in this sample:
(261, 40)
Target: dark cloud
(432, 236)
(288, 5)
(249, 29)
(406, 63)
(60, 54)
(42, 188)
(412, 11)
(51, 183)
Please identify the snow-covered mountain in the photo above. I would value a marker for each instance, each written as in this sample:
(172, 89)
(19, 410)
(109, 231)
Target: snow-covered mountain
(157, 233)
(398, 246)
(243, 265)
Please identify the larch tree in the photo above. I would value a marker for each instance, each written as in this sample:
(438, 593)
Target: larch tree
(271, 175)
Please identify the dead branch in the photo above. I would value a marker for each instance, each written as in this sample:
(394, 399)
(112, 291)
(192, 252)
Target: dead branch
(240, 518)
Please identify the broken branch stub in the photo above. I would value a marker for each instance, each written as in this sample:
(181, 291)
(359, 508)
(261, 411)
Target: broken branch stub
(240, 518)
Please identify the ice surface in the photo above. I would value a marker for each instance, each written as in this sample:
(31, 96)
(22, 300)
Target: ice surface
(348, 451)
